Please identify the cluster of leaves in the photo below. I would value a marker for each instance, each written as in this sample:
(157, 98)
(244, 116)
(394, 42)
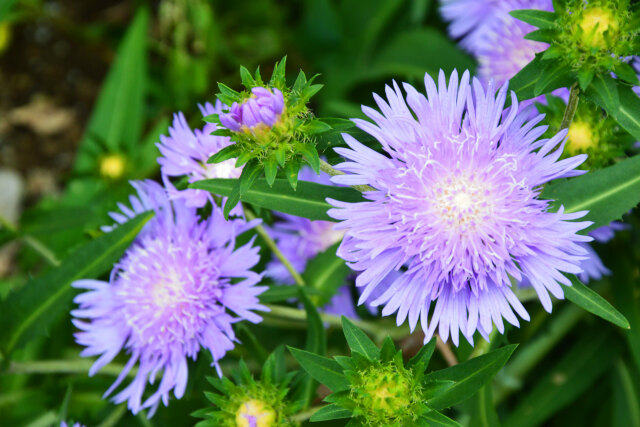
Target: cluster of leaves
(285, 146)
(550, 70)
(269, 394)
(374, 387)
(591, 132)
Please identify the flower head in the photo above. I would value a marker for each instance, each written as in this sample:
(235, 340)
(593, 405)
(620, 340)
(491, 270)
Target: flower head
(175, 290)
(456, 207)
(262, 109)
(185, 153)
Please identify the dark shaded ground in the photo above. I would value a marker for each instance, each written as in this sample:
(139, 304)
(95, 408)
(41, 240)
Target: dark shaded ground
(50, 74)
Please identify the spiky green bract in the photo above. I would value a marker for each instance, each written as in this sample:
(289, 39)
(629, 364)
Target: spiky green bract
(275, 135)
(245, 402)
(591, 132)
(586, 38)
(374, 387)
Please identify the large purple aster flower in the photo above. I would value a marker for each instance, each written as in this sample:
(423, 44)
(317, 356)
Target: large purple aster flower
(175, 290)
(185, 153)
(456, 203)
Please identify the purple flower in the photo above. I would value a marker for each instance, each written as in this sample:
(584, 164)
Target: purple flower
(263, 108)
(176, 289)
(456, 206)
(469, 19)
(185, 153)
(300, 239)
(501, 50)
(64, 424)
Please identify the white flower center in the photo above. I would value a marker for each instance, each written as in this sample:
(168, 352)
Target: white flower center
(462, 202)
(166, 293)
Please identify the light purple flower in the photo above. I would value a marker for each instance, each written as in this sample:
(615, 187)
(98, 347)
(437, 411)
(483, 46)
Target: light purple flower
(592, 267)
(456, 203)
(64, 424)
(263, 108)
(469, 19)
(169, 295)
(502, 51)
(300, 239)
(185, 153)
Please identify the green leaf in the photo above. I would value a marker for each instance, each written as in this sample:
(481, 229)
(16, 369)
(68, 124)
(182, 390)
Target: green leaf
(359, 341)
(628, 112)
(564, 382)
(469, 376)
(228, 152)
(118, 117)
(315, 127)
(227, 95)
(554, 71)
(424, 355)
(604, 91)
(277, 293)
(311, 156)
(613, 191)
(247, 79)
(270, 170)
(483, 413)
(291, 170)
(526, 80)
(232, 200)
(626, 397)
(326, 273)
(585, 77)
(29, 312)
(316, 336)
(436, 419)
(324, 370)
(308, 201)
(330, 412)
(250, 173)
(278, 78)
(626, 72)
(627, 298)
(591, 301)
(538, 18)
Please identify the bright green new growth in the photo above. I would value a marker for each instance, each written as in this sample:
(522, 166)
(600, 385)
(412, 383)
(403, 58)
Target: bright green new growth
(591, 132)
(245, 401)
(385, 394)
(595, 35)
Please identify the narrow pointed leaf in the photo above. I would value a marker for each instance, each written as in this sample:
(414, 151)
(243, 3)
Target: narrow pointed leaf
(469, 376)
(591, 301)
(358, 340)
(326, 273)
(308, 201)
(330, 412)
(554, 71)
(436, 419)
(538, 18)
(324, 370)
(228, 152)
(270, 170)
(613, 191)
(31, 310)
(291, 170)
(424, 355)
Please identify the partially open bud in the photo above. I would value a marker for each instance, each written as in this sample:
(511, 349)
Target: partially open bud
(595, 22)
(262, 110)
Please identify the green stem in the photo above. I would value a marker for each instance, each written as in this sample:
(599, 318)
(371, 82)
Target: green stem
(76, 366)
(274, 248)
(379, 331)
(33, 243)
(326, 167)
(303, 416)
(572, 105)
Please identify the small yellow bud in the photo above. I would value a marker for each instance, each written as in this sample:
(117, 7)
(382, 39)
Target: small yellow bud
(581, 137)
(112, 166)
(594, 23)
(255, 413)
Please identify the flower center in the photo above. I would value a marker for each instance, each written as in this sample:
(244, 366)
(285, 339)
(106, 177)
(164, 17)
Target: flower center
(595, 22)
(461, 202)
(580, 138)
(166, 292)
(255, 413)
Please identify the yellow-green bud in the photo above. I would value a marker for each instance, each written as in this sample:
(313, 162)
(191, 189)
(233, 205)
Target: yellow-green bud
(255, 413)
(112, 166)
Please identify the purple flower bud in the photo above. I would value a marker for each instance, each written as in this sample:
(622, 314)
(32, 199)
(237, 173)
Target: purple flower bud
(263, 108)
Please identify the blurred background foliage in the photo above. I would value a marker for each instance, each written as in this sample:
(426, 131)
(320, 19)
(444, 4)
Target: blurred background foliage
(87, 87)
